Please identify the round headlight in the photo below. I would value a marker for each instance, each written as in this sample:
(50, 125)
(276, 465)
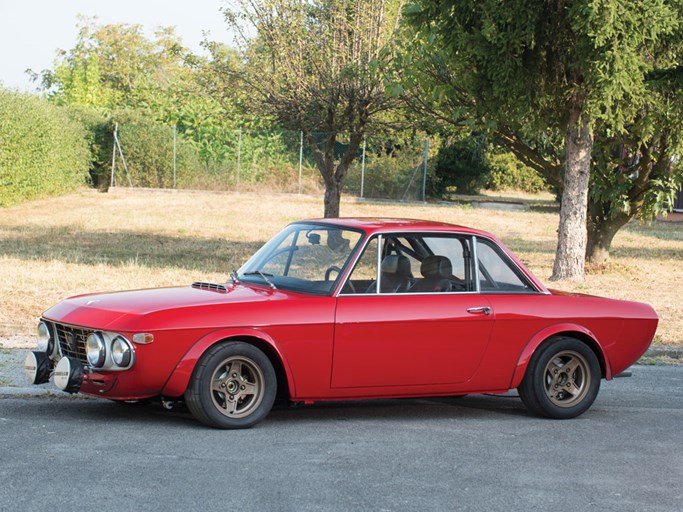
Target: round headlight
(95, 349)
(44, 337)
(121, 352)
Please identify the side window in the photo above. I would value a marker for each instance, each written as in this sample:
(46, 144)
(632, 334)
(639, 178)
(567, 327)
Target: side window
(496, 272)
(363, 279)
(445, 266)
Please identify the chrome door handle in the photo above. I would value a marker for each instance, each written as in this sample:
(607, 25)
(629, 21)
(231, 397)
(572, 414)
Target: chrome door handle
(481, 309)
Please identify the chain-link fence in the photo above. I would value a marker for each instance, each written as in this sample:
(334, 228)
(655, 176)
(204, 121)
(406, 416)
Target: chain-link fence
(274, 161)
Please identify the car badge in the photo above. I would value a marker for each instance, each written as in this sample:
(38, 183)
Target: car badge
(71, 341)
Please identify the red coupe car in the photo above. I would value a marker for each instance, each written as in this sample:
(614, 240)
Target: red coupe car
(341, 309)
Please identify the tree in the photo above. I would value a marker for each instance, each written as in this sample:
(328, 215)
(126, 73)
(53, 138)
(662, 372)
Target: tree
(317, 67)
(636, 174)
(115, 68)
(110, 65)
(632, 174)
(560, 67)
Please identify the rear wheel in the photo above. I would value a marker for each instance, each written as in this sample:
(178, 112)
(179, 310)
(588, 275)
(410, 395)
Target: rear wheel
(232, 386)
(562, 379)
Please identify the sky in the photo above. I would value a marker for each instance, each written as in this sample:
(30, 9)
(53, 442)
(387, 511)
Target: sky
(31, 31)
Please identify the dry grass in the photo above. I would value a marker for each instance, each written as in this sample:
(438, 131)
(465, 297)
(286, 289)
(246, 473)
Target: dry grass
(88, 241)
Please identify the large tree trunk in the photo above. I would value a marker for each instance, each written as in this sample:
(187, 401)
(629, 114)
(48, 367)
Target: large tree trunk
(333, 176)
(602, 226)
(332, 199)
(571, 242)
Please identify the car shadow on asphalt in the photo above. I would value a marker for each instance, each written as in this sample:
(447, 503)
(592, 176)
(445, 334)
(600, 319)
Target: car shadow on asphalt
(401, 410)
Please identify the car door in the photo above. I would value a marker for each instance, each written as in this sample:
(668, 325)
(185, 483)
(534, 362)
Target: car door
(386, 338)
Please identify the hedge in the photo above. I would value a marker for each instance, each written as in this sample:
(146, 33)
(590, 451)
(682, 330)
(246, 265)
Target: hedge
(43, 151)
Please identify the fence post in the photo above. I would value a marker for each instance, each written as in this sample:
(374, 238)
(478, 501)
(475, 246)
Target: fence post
(113, 159)
(239, 159)
(117, 144)
(362, 167)
(424, 175)
(301, 157)
(175, 129)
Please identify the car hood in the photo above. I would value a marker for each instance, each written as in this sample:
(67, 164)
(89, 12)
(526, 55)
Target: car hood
(120, 309)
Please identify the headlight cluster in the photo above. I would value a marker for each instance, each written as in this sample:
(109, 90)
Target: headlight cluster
(46, 342)
(95, 350)
(108, 349)
(121, 351)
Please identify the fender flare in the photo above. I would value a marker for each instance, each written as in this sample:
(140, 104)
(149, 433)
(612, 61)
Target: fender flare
(177, 383)
(541, 336)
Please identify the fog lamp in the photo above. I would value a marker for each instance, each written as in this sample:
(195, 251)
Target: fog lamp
(69, 374)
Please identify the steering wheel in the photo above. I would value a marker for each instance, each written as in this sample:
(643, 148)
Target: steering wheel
(329, 271)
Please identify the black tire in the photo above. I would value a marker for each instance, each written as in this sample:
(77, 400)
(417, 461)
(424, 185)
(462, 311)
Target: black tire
(233, 386)
(562, 379)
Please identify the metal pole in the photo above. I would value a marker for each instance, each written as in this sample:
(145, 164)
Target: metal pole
(362, 167)
(123, 160)
(175, 129)
(113, 159)
(301, 158)
(424, 176)
(239, 158)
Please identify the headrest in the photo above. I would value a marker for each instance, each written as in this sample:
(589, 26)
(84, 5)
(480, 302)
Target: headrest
(436, 266)
(396, 264)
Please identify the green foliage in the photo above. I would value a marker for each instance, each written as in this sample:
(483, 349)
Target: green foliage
(148, 151)
(316, 67)
(509, 173)
(462, 166)
(42, 150)
(112, 66)
(98, 135)
(393, 169)
(527, 62)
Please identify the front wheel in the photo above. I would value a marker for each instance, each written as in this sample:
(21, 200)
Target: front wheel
(232, 386)
(562, 379)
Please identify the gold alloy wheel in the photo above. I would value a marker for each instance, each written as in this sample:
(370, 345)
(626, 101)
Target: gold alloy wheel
(567, 378)
(237, 387)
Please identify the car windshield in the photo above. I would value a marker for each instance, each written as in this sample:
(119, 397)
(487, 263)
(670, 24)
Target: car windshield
(303, 257)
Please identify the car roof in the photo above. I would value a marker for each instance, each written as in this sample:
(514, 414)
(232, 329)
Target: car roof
(377, 225)
(373, 225)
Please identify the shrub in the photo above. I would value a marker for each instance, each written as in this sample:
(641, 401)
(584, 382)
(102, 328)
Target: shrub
(42, 150)
(461, 166)
(393, 169)
(507, 172)
(148, 151)
(98, 135)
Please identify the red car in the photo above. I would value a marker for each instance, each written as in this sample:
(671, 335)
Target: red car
(341, 309)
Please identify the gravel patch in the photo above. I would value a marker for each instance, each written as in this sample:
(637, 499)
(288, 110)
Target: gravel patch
(24, 341)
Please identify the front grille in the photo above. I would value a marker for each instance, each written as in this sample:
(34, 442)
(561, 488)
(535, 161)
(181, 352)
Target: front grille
(72, 341)
(211, 287)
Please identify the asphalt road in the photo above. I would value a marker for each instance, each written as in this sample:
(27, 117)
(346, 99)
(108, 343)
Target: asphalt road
(473, 453)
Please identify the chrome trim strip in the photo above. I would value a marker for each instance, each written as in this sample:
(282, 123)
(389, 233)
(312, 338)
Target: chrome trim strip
(380, 235)
(409, 293)
(477, 283)
(380, 238)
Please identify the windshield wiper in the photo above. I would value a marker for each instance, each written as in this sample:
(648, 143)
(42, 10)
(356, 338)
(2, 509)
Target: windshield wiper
(263, 275)
(233, 276)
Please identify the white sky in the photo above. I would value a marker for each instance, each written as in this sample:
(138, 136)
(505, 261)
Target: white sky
(31, 31)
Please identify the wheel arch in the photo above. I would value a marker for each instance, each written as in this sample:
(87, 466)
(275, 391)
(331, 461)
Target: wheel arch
(569, 330)
(180, 377)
